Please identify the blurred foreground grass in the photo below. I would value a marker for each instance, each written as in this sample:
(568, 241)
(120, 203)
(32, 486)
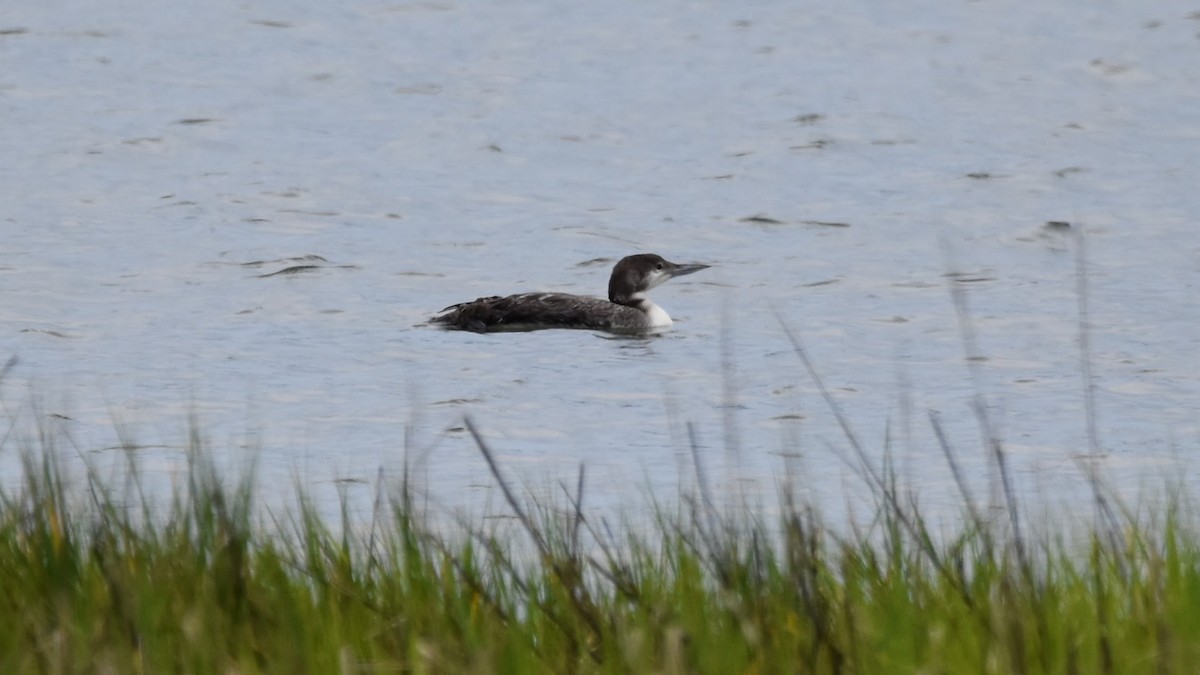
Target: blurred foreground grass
(210, 584)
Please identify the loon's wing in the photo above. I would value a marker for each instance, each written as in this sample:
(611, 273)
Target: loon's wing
(529, 311)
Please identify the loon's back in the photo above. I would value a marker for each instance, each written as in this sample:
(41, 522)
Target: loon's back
(533, 311)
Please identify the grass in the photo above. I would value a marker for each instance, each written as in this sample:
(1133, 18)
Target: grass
(89, 584)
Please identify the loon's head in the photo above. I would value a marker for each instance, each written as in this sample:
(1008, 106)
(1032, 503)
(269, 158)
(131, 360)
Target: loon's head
(636, 274)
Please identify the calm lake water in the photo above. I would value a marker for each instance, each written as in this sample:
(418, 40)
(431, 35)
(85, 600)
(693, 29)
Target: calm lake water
(840, 165)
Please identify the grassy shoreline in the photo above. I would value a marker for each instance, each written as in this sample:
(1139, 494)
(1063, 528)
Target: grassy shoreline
(97, 580)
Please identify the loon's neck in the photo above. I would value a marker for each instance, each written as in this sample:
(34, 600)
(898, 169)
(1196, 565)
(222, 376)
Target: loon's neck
(656, 317)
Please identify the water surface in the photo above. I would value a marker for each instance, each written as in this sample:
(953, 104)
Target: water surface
(839, 165)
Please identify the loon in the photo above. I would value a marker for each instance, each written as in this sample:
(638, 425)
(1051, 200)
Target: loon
(627, 310)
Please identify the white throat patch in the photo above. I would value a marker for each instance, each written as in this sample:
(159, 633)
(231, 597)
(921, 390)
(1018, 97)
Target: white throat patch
(657, 316)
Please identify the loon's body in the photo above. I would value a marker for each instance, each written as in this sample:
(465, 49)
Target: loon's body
(627, 309)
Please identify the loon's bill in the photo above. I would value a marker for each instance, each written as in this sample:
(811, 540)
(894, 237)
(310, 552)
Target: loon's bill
(627, 310)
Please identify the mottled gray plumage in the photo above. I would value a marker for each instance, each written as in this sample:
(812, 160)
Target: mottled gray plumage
(627, 310)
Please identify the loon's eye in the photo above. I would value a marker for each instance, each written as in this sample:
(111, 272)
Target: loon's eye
(658, 266)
